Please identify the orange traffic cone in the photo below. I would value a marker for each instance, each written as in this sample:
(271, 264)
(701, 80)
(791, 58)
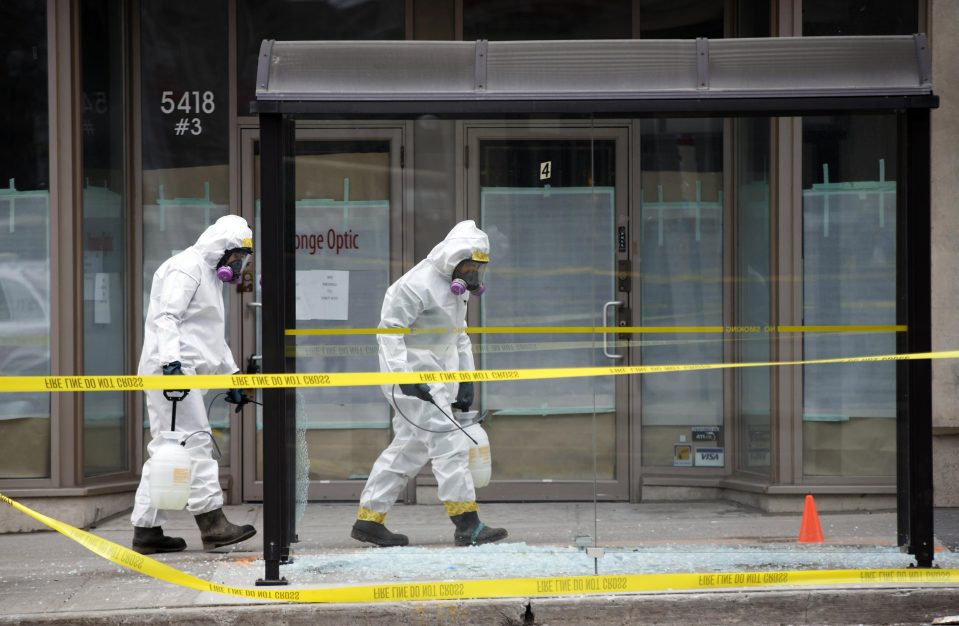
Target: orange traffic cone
(810, 531)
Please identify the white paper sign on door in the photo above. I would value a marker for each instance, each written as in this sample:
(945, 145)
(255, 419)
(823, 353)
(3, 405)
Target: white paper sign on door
(322, 295)
(101, 298)
(92, 265)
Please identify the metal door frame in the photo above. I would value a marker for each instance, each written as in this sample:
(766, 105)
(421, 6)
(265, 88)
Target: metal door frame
(626, 478)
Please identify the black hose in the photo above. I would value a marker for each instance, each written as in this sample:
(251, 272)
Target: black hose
(439, 432)
(219, 455)
(209, 407)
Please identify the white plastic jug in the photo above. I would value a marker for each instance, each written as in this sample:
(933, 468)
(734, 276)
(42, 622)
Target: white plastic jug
(170, 473)
(480, 461)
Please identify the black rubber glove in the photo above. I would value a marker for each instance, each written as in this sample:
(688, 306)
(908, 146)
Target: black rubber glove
(173, 369)
(464, 397)
(237, 397)
(421, 391)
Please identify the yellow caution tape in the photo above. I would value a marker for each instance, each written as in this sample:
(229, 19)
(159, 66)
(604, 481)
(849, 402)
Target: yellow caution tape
(344, 350)
(899, 328)
(358, 379)
(35, 341)
(499, 330)
(497, 588)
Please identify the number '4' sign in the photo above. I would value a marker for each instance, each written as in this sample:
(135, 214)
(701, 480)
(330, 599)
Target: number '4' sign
(545, 170)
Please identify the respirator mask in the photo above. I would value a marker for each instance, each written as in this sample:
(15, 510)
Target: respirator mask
(468, 276)
(230, 267)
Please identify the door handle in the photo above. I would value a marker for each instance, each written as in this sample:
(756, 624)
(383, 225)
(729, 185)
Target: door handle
(606, 308)
(246, 282)
(255, 305)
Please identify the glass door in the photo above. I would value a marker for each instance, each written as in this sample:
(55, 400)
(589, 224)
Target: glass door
(348, 190)
(553, 200)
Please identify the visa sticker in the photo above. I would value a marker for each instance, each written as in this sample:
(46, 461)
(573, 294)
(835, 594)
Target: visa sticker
(710, 457)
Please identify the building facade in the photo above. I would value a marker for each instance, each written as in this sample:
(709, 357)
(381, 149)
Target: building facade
(128, 130)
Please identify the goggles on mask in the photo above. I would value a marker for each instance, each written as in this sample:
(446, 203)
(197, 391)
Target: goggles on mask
(468, 276)
(230, 267)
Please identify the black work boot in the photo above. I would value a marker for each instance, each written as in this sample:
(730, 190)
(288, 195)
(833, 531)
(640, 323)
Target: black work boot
(216, 531)
(470, 531)
(153, 541)
(378, 534)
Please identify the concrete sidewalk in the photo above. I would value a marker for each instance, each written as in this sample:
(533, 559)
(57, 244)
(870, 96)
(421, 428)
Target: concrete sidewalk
(46, 578)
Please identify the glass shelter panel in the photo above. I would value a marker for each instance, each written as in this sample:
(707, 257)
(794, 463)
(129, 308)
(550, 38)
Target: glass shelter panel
(849, 294)
(555, 198)
(346, 184)
(551, 198)
(342, 270)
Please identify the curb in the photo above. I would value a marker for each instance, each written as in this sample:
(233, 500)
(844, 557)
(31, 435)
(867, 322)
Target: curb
(873, 605)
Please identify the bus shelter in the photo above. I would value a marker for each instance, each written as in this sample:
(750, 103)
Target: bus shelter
(481, 99)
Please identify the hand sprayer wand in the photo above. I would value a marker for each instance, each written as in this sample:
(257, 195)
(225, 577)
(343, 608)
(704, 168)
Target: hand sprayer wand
(457, 424)
(433, 402)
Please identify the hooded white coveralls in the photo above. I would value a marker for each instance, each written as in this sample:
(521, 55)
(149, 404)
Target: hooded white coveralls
(421, 298)
(185, 322)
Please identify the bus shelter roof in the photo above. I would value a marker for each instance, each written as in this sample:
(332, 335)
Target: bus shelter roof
(774, 75)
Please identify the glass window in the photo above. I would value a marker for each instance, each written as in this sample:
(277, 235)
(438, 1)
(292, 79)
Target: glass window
(24, 242)
(434, 182)
(752, 19)
(20, 302)
(860, 17)
(105, 441)
(681, 19)
(849, 282)
(185, 125)
(681, 197)
(433, 21)
(503, 20)
(185, 121)
(574, 19)
(297, 20)
(23, 92)
(753, 291)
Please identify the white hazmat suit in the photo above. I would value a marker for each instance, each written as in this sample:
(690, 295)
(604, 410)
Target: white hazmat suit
(421, 298)
(185, 322)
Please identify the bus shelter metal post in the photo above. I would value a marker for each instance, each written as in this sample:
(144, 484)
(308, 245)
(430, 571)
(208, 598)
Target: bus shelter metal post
(914, 489)
(277, 217)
